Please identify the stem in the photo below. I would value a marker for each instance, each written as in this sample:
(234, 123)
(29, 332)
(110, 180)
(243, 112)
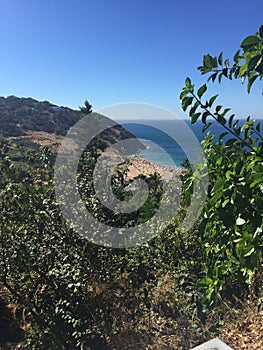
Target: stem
(224, 126)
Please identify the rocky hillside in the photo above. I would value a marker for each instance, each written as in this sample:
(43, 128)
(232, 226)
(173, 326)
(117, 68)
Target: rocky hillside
(18, 115)
(43, 123)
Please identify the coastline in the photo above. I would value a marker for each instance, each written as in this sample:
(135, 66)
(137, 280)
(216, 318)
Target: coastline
(137, 165)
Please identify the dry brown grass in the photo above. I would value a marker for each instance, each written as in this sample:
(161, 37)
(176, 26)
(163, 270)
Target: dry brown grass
(166, 327)
(244, 329)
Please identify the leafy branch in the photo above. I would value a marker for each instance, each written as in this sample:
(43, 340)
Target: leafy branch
(232, 223)
(188, 96)
(248, 62)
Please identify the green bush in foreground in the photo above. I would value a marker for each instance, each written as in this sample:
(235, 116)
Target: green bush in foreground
(74, 294)
(231, 226)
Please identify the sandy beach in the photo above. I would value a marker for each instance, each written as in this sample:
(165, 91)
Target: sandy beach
(137, 166)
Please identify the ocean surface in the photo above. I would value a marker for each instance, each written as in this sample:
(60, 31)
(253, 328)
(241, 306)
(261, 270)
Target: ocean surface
(157, 141)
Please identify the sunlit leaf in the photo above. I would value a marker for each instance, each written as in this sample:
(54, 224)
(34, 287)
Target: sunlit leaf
(201, 90)
(250, 41)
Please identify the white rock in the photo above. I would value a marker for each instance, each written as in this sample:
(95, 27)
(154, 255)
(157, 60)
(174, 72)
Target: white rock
(214, 344)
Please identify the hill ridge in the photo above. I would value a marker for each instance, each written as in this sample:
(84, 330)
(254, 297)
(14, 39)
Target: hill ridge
(20, 114)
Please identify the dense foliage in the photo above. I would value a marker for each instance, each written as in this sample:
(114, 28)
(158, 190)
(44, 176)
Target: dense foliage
(72, 294)
(232, 223)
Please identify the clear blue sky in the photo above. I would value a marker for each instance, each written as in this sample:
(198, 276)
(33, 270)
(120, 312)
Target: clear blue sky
(115, 51)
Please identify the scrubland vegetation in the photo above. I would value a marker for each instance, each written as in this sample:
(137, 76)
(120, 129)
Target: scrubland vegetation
(59, 291)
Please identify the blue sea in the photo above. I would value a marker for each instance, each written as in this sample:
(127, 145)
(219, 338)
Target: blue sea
(156, 140)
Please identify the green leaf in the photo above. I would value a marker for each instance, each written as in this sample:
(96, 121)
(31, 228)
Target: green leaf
(236, 73)
(225, 71)
(250, 82)
(261, 31)
(204, 70)
(195, 117)
(256, 182)
(212, 100)
(223, 134)
(218, 187)
(225, 202)
(227, 63)
(218, 107)
(239, 249)
(213, 76)
(226, 110)
(206, 126)
(250, 251)
(214, 62)
(201, 90)
(236, 56)
(231, 120)
(183, 94)
(221, 119)
(210, 294)
(230, 142)
(219, 160)
(238, 167)
(253, 62)
(220, 59)
(250, 41)
(259, 68)
(204, 116)
(205, 282)
(188, 82)
(235, 126)
(193, 109)
(187, 102)
(237, 130)
(242, 69)
(207, 61)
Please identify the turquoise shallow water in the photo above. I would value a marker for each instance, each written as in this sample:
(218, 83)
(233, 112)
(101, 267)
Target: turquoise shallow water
(154, 139)
(157, 142)
(153, 153)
